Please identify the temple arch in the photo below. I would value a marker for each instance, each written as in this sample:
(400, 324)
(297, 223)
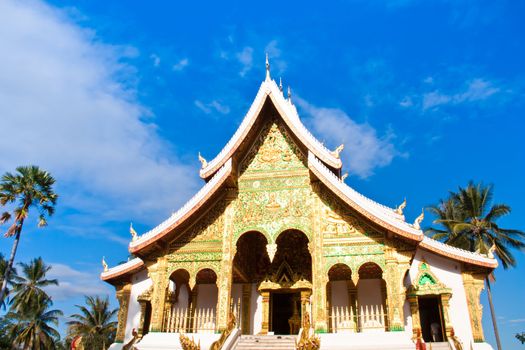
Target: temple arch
(371, 298)
(342, 297)
(204, 299)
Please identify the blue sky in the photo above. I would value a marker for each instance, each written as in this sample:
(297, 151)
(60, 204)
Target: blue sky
(117, 98)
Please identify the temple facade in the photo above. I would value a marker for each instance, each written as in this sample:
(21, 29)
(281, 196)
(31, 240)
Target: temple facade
(275, 233)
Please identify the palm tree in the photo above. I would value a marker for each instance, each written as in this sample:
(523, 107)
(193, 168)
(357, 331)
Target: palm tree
(30, 187)
(27, 287)
(32, 328)
(94, 323)
(3, 265)
(468, 221)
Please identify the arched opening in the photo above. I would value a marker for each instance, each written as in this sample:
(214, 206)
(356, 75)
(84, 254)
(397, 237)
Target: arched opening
(250, 266)
(371, 298)
(341, 295)
(176, 308)
(204, 301)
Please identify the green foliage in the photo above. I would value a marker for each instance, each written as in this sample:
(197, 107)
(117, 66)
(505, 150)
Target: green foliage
(521, 337)
(467, 220)
(95, 323)
(28, 286)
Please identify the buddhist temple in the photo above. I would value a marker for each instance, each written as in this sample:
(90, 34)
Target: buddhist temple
(276, 241)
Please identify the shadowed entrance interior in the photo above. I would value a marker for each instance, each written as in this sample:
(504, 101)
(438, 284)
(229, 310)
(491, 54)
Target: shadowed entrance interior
(431, 319)
(282, 311)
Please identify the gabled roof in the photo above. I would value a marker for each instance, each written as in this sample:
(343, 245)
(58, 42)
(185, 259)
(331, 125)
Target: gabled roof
(183, 213)
(390, 220)
(131, 266)
(288, 112)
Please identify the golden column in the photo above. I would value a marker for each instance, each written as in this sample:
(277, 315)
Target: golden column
(265, 311)
(414, 310)
(445, 298)
(474, 284)
(224, 282)
(123, 293)
(158, 274)
(393, 289)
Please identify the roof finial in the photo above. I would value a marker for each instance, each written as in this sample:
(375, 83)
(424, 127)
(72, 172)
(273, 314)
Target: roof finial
(337, 152)
(104, 264)
(203, 161)
(267, 67)
(345, 175)
(289, 94)
(134, 234)
(417, 223)
(401, 207)
(280, 84)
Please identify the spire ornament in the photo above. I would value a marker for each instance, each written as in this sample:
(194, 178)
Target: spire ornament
(280, 84)
(417, 222)
(401, 207)
(337, 152)
(289, 94)
(492, 249)
(345, 175)
(134, 234)
(203, 161)
(267, 67)
(104, 264)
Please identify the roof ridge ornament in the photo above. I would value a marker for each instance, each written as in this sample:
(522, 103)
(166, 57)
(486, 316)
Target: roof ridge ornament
(134, 234)
(345, 175)
(104, 264)
(203, 161)
(289, 94)
(337, 152)
(417, 222)
(401, 207)
(267, 67)
(280, 84)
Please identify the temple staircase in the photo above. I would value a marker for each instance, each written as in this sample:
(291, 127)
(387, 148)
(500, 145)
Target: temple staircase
(266, 342)
(438, 346)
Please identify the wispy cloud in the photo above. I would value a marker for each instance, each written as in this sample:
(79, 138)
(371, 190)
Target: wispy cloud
(245, 58)
(181, 65)
(74, 283)
(476, 90)
(67, 104)
(214, 105)
(155, 59)
(364, 150)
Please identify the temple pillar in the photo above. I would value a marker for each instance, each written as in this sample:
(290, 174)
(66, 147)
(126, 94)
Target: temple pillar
(414, 311)
(123, 293)
(305, 303)
(194, 294)
(319, 276)
(224, 280)
(474, 284)
(265, 312)
(158, 274)
(246, 303)
(445, 298)
(395, 299)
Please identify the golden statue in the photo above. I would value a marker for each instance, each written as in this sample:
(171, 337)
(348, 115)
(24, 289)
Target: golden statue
(401, 207)
(203, 161)
(417, 222)
(188, 344)
(217, 345)
(337, 152)
(307, 341)
(129, 345)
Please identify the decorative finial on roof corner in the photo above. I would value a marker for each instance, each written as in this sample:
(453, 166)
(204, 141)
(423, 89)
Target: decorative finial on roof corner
(345, 175)
(280, 84)
(104, 264)
(267, 67)
(337, 152)
(401, 207)
(417, 222)
(203, 161)
(134, 234)
(491, 251)
(289, 94)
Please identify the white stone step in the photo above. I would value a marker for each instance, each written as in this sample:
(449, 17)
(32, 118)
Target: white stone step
(266, 342)
(438, 346)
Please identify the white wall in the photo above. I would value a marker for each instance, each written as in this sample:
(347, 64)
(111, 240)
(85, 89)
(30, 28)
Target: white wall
(140, 283)
(449, 273)
(256, 311)
(183, 300)
(207, 297)
(339, 291)
(369, 292)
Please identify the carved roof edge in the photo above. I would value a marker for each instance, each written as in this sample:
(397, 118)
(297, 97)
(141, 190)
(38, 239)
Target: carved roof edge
(290, 116)
(185, 211)
(123, 269)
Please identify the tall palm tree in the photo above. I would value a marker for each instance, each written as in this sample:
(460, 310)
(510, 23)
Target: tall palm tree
(468, 220)
(3, 266)
(32, 328)
(95, 323)
(28, 286)
(30, 187)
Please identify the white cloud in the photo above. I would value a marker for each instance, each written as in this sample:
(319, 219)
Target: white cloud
(475, 90)
(155, 59)
(364, 150)
(179, 66)
(74, 283)
(63, 108)
(214, 105)
(245, 58)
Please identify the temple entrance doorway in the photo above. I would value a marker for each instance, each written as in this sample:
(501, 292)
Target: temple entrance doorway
(285, 312)
(431, 318)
